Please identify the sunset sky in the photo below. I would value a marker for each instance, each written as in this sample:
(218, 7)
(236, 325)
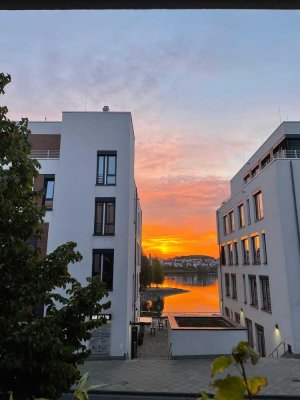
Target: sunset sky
(205, 88)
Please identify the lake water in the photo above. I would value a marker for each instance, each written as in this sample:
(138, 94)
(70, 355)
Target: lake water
(203, 293)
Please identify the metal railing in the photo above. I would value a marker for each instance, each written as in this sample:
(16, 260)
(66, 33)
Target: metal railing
(281, 154)
(276, 350)
(45, 154)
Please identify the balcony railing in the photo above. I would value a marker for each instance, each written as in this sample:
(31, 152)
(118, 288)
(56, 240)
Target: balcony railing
(287, 154)
(45, 154)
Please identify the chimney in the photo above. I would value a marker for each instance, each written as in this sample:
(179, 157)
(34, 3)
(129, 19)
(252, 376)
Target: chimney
(105, 109)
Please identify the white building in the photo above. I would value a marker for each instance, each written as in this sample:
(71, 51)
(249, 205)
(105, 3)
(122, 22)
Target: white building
(259, 238)
(87, 171)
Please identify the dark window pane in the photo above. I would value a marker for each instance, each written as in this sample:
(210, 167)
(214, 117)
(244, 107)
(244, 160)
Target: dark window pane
(100, 173)
(99, 218)
(110, 219)
(107, 274)
(96, 264)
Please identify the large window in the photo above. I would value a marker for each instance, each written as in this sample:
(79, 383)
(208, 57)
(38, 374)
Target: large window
(248, 212)
(233, 285)
(48, 191)
(225, 224)
(249, 331)
(253, 291)
(256, 249)
(223, 255)
(264, 244)
(241, 212)
(231, 221)
(106, 168)
(258, 205)
(227, 314)
(227, 285)
(104, 216)
(265, 293)
(236, 253)
(245, 247)
(230, 254)
(103, 266)
(237, 317)
(244, 289)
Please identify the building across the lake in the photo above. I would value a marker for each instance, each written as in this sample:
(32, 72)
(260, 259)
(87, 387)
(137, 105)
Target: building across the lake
(87, 173)
(259, 238)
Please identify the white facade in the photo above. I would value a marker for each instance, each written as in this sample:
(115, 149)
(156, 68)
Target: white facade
(272, 231)
(86, 136)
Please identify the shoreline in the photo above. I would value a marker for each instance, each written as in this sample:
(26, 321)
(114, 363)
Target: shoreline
(153, 293)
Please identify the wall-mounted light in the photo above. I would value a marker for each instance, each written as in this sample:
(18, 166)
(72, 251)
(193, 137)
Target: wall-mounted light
(276, 326)
(242, 310)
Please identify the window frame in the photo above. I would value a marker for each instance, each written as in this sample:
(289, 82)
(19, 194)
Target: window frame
(234, 295)
(104, 201)
(227, 285)
(106, 154)
(225, 224)
(256, 252)
(236, 253)
(264, 246)
(259, 211)
(253, 295)
(49, 200)
(242, 221)
(266, 300)
(230, 253)
(223, 255)
(231, 221)
(246, 257)
(103, 252)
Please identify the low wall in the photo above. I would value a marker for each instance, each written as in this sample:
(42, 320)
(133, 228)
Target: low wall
(197, 342)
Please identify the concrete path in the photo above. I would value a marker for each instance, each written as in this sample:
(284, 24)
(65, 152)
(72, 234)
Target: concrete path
(185, 376)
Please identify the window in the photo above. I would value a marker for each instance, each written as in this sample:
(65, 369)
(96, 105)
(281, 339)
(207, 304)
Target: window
(225, 224)
(233, 283)
(104, 216)
(256, 249)
(103, 266)
(265, 161)
(237, 317)
(226, 311)
(227, 285)
(260, 337)
(244, 289)
(247, 178)
(236, 254)
(249, 331)
(258, 206)
(248, 212)
(245, 247)
(241, 212)
(265, 294)
(264, 248)
(253, 291)
(106, 168)
(255, 171)
(230, 254)
(223, 255)
(231, 221)
(48, 192)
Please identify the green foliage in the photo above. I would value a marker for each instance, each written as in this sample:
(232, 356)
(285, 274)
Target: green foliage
(157, 272)
(146, 273)
(38, 356)
(235, 387)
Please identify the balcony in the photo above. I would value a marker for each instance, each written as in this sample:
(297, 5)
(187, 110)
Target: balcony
(45, 154)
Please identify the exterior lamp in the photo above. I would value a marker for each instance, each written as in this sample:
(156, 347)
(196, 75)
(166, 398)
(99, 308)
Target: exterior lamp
(242, 310)
(276, 326)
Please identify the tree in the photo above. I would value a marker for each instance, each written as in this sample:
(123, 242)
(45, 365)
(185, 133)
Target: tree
(38, 356)
(146, 273)
(157, 272)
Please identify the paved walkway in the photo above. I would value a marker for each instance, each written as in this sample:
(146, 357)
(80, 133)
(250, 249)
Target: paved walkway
(185, 376)
(154, 346)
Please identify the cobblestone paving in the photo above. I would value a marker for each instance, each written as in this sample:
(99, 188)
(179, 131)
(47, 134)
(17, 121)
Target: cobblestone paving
(154, 346)
(185, 376)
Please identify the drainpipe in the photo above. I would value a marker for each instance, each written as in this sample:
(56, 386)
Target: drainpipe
(295, 203)
(219, 244)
